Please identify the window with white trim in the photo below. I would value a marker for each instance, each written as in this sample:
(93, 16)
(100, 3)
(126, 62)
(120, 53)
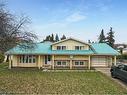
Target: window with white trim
(79, 47)
(27, 59)
(61, 47)
(61, 63)
(79, 63)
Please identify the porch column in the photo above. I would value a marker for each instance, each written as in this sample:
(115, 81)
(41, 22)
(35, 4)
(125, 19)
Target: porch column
(39, 65)
(89, 63)
(53, 62)
(114, 60)
(71, 57)
(111, 61)
(70, 63)
(9, 62)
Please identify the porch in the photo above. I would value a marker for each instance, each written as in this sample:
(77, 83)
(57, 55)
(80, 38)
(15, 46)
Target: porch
(58, 61)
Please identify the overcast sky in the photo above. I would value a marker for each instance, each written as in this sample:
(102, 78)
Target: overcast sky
(81, 19)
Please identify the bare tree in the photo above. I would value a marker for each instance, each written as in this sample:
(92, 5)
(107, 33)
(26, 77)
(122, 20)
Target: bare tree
(14, 31)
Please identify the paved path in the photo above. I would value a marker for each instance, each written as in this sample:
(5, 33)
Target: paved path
(106, 71)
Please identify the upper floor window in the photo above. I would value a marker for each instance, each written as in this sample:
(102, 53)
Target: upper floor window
(79, 47)
(61, 47)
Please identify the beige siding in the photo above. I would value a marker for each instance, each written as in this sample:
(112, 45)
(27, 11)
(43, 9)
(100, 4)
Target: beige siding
(74, 57)
(14, 60)
(42, 60)
(70, 45)
(61, 57)
(27, 65)
(80, 57)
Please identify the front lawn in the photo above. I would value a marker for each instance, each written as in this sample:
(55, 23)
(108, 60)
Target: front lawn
(35, 81)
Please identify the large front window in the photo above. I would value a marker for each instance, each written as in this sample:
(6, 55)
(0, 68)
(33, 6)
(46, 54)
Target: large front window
(27, 59)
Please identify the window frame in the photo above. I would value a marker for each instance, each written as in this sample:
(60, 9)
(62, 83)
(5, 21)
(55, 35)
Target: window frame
(61, 47)
(25, 59)
(62, 63)
(78, 63)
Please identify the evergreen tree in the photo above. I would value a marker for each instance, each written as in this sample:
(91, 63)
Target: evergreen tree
(89, 41)
(102, 37)
(52, 38)
(63, 37)
(110, 38)
(48, 38)
(57, 38)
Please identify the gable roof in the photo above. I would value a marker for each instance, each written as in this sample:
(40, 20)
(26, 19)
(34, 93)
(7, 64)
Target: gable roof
(70, 39)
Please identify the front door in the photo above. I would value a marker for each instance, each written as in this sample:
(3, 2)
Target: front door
(47, 59)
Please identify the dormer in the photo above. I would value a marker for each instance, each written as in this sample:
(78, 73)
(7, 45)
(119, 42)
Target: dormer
(70, 44)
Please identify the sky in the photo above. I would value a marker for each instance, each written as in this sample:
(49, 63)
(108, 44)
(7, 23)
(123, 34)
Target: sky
(80, 19)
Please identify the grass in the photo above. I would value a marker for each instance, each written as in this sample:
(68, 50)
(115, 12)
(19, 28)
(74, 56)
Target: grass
(33, 81)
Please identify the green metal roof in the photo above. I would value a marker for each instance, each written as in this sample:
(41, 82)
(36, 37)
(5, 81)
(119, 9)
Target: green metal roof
(45, 48)
(104, 49)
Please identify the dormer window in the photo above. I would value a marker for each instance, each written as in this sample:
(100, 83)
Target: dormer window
(79, 47)
(61, 47)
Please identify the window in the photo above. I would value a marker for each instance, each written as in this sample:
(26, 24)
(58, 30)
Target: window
(76, 47)
(27, 59)
(79, 62)
(61, 63)
(79, 47)
(58, 47)
(76, 63)
(64, 63)
(61, 47)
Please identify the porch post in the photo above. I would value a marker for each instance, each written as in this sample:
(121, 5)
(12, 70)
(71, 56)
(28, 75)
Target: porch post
(71, 57)
(39, 61)
(111, 62)
(9, 62)
(70, 63)
(114, 60)
(53, 62)
(89, 63)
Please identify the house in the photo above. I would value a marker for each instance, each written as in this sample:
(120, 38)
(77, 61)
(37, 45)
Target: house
(68, 53)
(121, 48)
(124, 51)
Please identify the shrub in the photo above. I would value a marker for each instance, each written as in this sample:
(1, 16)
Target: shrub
(1, 57)
(122, 57)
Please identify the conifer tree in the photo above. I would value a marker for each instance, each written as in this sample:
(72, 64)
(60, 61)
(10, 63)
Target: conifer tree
(63, 37)
(110, 38)
(102, 37)
(57, 38)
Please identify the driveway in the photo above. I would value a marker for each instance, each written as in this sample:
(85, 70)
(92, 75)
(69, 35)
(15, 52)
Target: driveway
(106, 71)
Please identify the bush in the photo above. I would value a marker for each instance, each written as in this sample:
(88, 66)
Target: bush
(122, 57)
(1, 57)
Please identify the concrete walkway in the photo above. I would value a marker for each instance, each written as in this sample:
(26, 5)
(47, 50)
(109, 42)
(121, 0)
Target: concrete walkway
(106, 71)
